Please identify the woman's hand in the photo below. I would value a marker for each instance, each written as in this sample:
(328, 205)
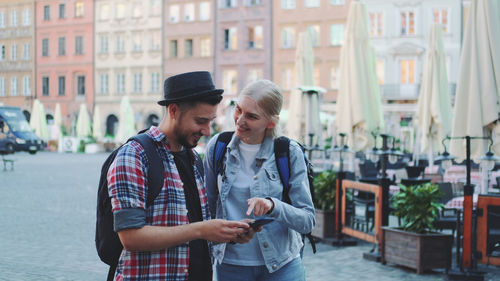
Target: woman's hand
(246, 236)
(260, 206)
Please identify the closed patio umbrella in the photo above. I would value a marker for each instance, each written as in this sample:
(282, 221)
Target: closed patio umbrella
(83, 122)
(359, 106)
(126, 123)
(434, 104)
(476, 108)
(96, 124)
(38, 121)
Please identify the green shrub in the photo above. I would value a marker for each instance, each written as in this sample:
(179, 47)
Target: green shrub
(324, 190)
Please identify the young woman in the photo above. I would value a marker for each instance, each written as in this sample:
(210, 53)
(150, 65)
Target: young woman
(249, 187)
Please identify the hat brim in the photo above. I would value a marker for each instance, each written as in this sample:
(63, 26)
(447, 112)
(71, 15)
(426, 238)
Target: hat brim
(192, 96)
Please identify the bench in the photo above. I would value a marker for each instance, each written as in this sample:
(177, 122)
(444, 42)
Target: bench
(6, 162)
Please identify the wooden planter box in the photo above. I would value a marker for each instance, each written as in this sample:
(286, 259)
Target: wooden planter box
(325, 224)
(417, 251)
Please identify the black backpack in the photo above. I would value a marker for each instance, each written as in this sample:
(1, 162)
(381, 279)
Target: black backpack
(107, 241)
(282, 158)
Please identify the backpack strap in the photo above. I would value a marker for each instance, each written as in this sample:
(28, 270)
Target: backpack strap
(155, 166)
(282, 158)
(220, 150)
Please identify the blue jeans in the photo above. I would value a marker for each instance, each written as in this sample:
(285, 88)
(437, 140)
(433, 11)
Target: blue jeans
(294, 270)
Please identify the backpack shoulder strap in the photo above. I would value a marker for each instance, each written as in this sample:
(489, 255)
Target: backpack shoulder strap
(282, 158)
(220, 149)
(155, 167)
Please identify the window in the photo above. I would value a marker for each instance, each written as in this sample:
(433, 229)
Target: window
(255, 37)
(13, 18)
(380, 72)
(336, 34)
(120, 83)
(62, 85)
(120, 11)
(120, 44)
(46, 12)
(2, 86)
(334, 78)
(311, 3)
(26, 86)
(189, 12)
(337, 2)
(62, 11)
(45, 86)
(78, 9)
(104, 12)
(173, 48)
(2, 19)
(26, 17)
(137, 10)
(254, 75)
(254, 2)
(80, 82)
(103, 44)
(156, 7)
(204, 11)
(407, 23)
(155, 82)
(103, 85)
(188, 48)
(230, 82)
(376, 24)
(26, 51)
(314, 33)
(79, 45)
(137, 42)
(228, 3)
(2, 52)
(230, 39)
(45, 47)
(61, 50)
(288, 37)
(407, 71)
(287, 78)
(137, 82)
(287, 4)
(174, 14)
(13, 86)
(155, 40)
(205, 47)
(441, 16)
(13, 52)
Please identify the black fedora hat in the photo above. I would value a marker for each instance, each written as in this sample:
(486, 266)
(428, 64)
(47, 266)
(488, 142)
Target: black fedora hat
(189, 86)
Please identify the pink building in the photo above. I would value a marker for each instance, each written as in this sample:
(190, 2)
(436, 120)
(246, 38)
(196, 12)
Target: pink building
(64, 56)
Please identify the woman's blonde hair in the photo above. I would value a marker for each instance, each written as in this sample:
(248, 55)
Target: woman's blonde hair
(268, 97)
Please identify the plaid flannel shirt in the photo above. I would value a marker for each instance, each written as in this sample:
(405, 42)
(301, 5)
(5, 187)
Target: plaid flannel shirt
(127, 186)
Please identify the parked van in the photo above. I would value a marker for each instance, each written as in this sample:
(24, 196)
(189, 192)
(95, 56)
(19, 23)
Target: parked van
(15, 126)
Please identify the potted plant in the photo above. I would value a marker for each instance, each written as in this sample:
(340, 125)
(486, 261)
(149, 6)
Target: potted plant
(324, 202)
(415, 244)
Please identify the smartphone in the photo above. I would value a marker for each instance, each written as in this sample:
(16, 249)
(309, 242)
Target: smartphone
(256, 223)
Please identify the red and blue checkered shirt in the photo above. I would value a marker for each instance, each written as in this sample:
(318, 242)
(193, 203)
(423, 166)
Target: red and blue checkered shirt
(127, 186)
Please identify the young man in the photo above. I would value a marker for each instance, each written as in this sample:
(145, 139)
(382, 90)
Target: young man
(168, 240)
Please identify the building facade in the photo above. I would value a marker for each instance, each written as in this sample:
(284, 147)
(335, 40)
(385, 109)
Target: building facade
(64, 56)
(243, 43)
(128, 60)
(325, 21)
(17, 45)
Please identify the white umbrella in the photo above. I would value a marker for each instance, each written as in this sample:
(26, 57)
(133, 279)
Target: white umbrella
(83, 122)
(304, 77)
(434, 103)
(478, 88)
(55, 132)
(38, 121)
(126, 125)
(359, 106)
(96, 124)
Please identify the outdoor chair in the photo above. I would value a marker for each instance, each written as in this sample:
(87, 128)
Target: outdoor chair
(363, 218)
(414, 172)
(413, 182)
(449, 217)
(368, 171)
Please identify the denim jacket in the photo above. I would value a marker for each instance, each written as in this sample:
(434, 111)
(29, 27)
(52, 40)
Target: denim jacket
(280, 241)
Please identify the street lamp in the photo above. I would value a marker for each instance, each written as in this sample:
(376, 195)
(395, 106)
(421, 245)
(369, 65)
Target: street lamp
(469, 236)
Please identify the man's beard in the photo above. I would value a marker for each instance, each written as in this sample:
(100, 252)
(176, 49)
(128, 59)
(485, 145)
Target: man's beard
(183, 139)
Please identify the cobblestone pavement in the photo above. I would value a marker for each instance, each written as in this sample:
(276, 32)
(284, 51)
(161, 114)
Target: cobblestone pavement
(47, 207)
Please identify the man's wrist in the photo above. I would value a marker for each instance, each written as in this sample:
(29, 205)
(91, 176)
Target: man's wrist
(272, 207)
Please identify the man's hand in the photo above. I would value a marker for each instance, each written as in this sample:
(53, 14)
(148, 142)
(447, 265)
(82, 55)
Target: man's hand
(260, 206)
(223, 231)
(246, 236)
